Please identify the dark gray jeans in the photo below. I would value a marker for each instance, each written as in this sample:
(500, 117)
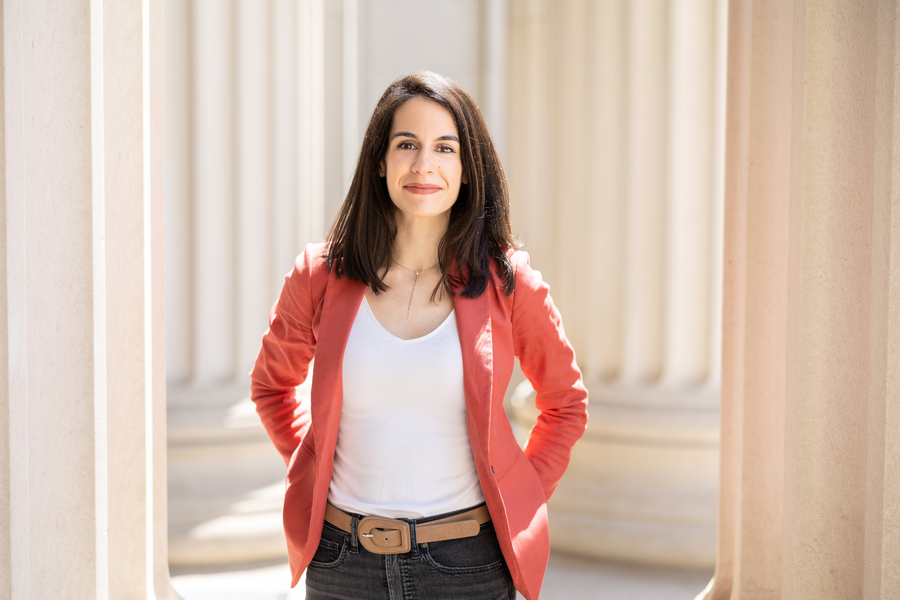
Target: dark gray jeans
(468, 568)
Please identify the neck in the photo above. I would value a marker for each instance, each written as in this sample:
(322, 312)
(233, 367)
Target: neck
(416, 244)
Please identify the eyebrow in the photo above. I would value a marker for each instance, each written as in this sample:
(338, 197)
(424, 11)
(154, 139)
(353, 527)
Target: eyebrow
(443, 138)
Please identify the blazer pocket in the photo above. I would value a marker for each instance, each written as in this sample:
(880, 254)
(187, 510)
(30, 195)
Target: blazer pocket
(521, 477)
(302, 468)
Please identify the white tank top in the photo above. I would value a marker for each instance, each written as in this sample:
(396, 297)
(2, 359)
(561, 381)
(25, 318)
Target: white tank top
(403, 449)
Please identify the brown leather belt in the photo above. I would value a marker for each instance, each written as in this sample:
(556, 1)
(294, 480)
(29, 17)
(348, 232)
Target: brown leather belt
(380, 535)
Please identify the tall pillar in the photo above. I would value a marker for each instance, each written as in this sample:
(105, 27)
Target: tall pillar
(82, 406)
(810, 501)
(615, 168)
(246, 182)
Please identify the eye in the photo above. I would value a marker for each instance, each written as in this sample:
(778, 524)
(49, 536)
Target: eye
(446, 149)
(407, 145)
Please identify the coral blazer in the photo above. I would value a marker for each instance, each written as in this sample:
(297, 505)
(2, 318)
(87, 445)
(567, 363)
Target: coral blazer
(312, 318)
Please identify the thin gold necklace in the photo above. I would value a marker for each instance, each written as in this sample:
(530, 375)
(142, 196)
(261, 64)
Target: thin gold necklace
(409, 306)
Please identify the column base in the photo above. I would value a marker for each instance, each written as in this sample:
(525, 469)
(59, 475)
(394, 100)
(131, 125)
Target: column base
(226, 481)
(642, 485)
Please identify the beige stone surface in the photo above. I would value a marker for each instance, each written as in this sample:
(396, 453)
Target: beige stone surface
(6, 389)
(615, 170)
(810, 303)
(83, 510)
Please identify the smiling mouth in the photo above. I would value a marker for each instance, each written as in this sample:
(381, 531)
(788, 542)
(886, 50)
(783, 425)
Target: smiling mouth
(422, 188)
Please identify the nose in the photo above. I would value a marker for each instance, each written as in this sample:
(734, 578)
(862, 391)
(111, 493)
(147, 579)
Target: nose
(424, 162)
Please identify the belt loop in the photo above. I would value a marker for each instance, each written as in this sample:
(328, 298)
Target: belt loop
(354, 539)
(413, 546)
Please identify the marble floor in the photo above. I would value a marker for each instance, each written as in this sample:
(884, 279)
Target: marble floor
(568, 578)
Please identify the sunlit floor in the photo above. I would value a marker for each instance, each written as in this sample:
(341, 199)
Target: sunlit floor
(568, 578)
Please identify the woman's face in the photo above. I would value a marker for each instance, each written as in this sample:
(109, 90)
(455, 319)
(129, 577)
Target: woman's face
(422, 165)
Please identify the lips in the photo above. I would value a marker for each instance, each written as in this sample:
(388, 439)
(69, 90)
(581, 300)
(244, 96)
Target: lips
(422, 188)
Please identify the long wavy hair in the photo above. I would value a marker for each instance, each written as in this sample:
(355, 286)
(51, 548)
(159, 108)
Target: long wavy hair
(361, 238)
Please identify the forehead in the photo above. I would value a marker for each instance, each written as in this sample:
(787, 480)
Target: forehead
(420, 115)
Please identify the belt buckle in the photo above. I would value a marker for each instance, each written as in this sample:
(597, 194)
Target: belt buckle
(383, 536)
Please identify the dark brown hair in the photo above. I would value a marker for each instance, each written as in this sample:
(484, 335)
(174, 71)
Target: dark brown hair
(361, 237)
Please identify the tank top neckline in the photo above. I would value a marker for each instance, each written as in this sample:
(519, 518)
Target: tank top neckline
(428, 335)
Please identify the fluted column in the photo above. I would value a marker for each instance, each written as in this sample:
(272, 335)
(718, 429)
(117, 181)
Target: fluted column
(82, 406)
(246, 113)
(810, 503)
(616, 121)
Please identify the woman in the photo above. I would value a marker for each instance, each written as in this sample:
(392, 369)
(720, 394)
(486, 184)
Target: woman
(404, 477)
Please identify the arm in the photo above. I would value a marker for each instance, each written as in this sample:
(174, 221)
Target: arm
(288, 346)
(548, 361)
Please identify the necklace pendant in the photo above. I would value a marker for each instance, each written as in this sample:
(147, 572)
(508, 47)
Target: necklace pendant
(412, 291)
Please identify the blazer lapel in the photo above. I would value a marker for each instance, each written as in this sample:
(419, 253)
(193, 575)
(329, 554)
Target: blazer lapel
(473, 322)
(339, 307)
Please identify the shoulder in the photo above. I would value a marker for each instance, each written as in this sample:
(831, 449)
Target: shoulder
(527, 279)
(312, 263)
(309, 277)
(528, 284)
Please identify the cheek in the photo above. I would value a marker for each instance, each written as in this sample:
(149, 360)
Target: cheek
(459, 176)
(397, 166)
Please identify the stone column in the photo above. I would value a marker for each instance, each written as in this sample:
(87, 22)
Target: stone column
(82, 406)
(615, 167)
(245, 191)
(810, 499)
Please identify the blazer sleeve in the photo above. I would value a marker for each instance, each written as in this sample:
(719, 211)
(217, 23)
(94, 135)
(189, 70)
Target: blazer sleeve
(548, 361)
(288, 347)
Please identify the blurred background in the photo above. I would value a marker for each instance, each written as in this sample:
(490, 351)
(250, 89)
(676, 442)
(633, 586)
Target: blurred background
(609, 117)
